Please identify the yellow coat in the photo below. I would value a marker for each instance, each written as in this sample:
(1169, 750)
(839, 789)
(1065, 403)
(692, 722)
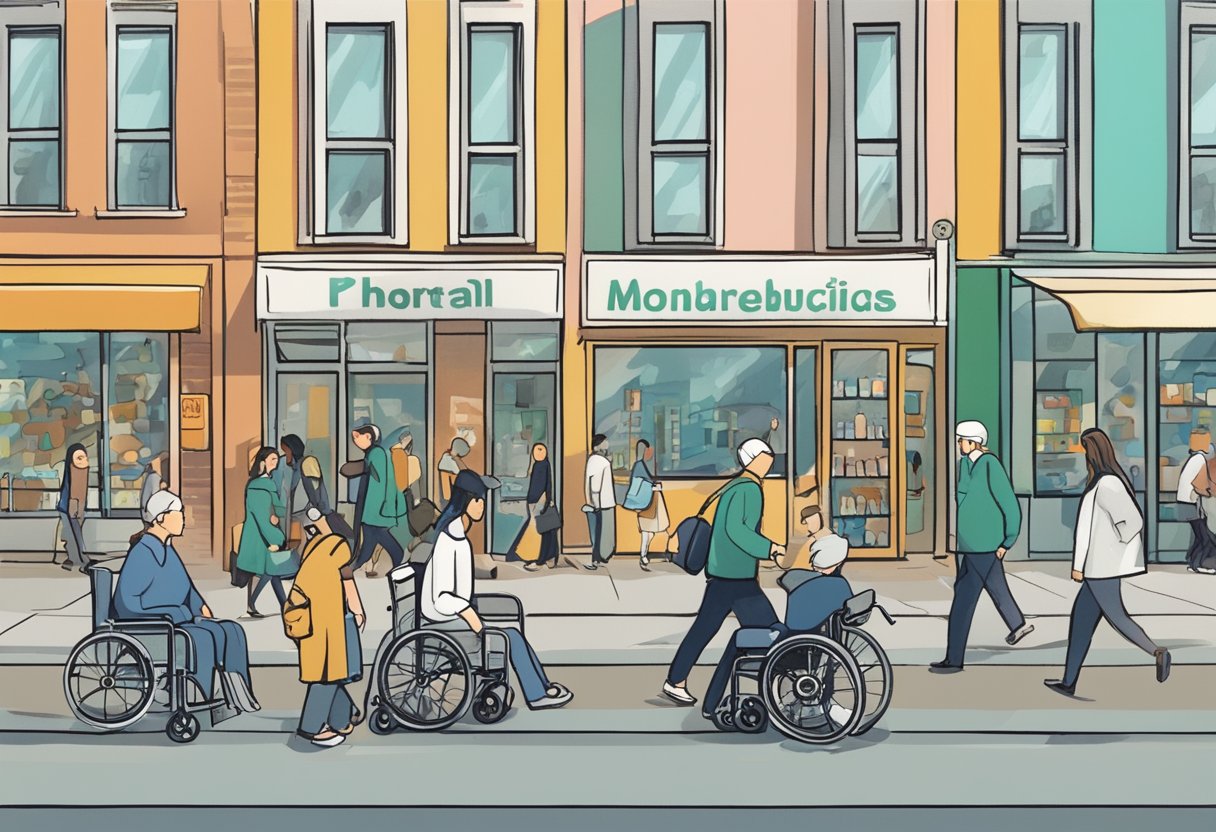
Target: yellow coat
(323, 654)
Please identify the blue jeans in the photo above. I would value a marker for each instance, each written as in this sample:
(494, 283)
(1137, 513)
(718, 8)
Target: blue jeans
(978, 573)
(373, 536)
(327, 703)
(218, 645)
(602, 525)
(528, 669)
(743, 597)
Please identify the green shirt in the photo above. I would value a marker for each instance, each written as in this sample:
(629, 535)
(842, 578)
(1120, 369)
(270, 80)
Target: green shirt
(988, 513)
(736, 546)
(384, 505)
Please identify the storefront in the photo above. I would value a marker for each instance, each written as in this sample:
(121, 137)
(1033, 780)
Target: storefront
(1129, 351)
(444, 348)
(837, 362)
(92, 354)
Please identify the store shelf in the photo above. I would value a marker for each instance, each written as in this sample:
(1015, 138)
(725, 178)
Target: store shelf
(861, 398)
(886, 516)
(839, 477)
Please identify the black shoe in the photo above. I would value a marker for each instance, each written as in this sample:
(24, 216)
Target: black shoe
(592, 566)
(252, 613)
(944, 667)
(1059, 687)
(1163, 663)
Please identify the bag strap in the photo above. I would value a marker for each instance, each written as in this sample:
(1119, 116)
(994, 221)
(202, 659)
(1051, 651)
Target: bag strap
(713, 497)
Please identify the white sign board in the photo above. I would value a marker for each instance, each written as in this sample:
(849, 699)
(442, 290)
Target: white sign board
(384, 292)
(749, 291)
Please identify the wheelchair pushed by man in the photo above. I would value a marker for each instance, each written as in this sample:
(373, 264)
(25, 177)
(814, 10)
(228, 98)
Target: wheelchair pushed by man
(154, 644)
(817, 678)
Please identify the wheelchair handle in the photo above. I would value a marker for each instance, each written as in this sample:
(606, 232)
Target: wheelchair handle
(885, 614)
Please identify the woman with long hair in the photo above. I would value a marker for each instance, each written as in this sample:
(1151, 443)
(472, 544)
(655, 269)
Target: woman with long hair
(652, 519)
(264, 536)
(1109, 547)
(73, 496)
(540, 497)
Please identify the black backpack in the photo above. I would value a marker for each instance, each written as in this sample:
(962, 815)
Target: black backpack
(693, 534)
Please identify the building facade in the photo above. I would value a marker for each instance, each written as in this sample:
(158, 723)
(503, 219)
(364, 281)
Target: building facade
(128, 204)
(1085, 282)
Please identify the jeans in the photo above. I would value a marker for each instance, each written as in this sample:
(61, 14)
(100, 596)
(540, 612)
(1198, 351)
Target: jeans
(327, 703)
(528, 669)
(73, 537)
(602, 525)
(373, 536)
(1098, 598)
(978, 573)
(218, 645)
(743, 597)
(256, 589)
(1201, 554)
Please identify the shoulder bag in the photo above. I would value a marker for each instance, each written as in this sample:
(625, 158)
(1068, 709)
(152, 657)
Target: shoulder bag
(693, 536)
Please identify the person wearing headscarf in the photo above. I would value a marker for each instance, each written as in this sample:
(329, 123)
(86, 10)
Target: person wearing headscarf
(73, 497)
(153, 584)
(264, 536)
(540, 497)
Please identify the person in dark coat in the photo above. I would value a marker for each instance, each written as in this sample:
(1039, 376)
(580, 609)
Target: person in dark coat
(73, 496)
(540, 497)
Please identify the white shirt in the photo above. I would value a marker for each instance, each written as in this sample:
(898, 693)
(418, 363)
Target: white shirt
(1186, 480)
(1109, 526)
(447, 584)
(975, 455)
(597, 482)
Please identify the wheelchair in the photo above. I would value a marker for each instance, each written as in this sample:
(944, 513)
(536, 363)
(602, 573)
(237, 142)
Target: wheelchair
(117, 674)
(814, 687)
(427, 677)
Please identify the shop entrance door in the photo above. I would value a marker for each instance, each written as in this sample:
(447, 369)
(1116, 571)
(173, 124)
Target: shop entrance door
(307, 405)
(524, 413)
(918, 411)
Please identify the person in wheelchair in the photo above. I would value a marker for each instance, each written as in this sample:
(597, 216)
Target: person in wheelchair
(447, 588)
(814, 594)
(153, 584)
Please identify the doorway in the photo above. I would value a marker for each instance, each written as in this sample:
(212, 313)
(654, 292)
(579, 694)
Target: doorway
(524, 413)
(920, 449)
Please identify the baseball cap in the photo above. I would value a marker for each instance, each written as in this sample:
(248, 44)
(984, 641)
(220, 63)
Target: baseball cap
(474, 483)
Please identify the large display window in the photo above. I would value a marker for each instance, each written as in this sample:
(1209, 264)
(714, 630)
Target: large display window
(1186, 406)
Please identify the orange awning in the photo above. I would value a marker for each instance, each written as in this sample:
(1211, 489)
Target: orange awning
(1131, 299)
(105, 297)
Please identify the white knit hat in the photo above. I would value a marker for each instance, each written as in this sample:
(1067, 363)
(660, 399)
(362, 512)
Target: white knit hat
(160, 503)
(829, 551)
(751, 449)
(975, 431)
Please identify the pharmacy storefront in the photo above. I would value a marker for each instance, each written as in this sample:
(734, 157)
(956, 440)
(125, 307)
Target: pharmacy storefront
(441, 348)
(837, 363)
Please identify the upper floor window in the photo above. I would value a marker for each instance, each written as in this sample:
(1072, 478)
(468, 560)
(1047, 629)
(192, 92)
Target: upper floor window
(358, 113)
(875, 174)
(676, 189)
(31, 77)
(142, 107)
(1197, 170)
(1046, 160)
(493, 193)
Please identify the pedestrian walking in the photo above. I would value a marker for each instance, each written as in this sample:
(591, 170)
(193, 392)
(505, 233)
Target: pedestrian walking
(539, 499)
(774, 437)
(263, 552)
(1109, 546)
(324, 615)
(1193, 485)
(645, 496)
(73, 497)
(600, 507)
(736, 548)
(383, 505)
(307, 475)
(988, 524)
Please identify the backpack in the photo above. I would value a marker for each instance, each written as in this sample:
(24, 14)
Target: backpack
(693, 534)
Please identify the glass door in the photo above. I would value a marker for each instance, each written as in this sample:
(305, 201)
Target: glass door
(919, 482)
(307, 406)
(524, 414)
(859, 453)
(804, 418)
(396, 403)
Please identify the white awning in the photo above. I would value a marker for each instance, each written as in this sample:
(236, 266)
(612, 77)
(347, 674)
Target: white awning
(1132, 299)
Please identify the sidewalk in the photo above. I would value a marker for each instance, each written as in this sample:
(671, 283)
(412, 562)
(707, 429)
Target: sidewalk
(628, 617)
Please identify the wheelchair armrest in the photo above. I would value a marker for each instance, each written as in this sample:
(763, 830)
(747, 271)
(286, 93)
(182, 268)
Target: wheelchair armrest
(496, 606)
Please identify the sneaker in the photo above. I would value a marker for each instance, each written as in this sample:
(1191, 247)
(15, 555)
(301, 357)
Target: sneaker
(1059, 687)
(1203, 570)
(1163, 663)
(328, 742)
(555, 699)
(945, 667)
(1019, 634)
(531, 566)
(679, 695)
(592, 566)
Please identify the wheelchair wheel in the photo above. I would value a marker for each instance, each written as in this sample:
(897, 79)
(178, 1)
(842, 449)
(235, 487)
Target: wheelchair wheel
(109, 681)
(183, 727)
(751, 717)
(425, 680)
(724, 719)
(877, 676)
(812, 688)
(381, 722)
(492, 703)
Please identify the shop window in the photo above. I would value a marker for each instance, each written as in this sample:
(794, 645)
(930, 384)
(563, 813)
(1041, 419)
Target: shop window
(397, 404)
(675, 178)
(524, 341)
(1197, 133)
(305, 342)
(56, 390)
(142, 106)
(874, 171)
(402, 343)
(1065, 374)
(358, 121)
(493, 56)
(31, 67)
(694, 405)
(307, 405)
(1186, 407)
(1048, 97)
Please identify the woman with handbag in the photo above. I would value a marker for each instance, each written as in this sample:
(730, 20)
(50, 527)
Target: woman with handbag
(263, 553)
(324, 615)
(542, 511)
(646, 498)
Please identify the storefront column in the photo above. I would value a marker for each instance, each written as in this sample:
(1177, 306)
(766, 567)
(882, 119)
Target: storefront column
(460, 386)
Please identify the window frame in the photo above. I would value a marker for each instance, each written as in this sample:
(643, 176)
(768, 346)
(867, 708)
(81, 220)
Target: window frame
(40, 18)
(1194, 18)
(464, 18)
(124, 18)
(1076, 148)
(847, 20)
(642, 148)
(319, 16)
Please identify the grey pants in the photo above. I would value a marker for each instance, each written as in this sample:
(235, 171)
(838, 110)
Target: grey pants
(978, 573)
(1099, 598)
(602, 525)
(327, 703)
(73, 537)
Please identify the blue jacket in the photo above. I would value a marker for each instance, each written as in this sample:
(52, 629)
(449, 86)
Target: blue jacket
(154, 582)
(813, 597)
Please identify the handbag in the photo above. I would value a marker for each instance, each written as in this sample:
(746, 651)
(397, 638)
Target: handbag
(651, 511)
(297, 615)
(354, 651)
(549, 520)
(285, 562)
(421, 516)
(639, 495)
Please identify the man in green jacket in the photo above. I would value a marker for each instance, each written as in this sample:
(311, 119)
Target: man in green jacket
(736, 548)
(989, 520)
(383, 505)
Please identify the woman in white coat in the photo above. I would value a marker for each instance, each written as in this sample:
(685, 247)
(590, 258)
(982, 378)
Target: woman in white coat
(1109, 547)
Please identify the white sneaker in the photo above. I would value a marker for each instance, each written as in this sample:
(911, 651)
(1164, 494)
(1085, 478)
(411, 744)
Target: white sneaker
(552, 700)
(680, 696)
(328, 742)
